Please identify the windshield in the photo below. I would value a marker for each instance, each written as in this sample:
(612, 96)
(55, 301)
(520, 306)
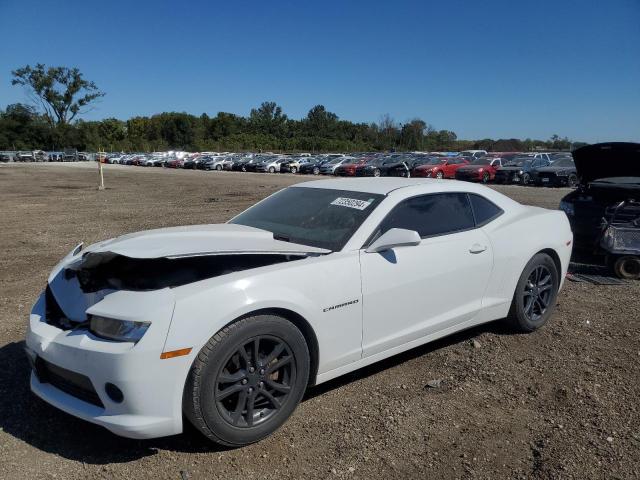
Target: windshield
(434, 161)
(481, 161)
(517, 162)
(319, 217)
(334, 161)
(565, 162)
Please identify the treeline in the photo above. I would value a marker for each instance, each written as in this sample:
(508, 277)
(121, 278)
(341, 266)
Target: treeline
(267, 128)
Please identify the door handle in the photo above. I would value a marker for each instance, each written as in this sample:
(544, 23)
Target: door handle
(477, 248)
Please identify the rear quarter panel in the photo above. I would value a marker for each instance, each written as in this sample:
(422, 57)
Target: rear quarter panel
(515, 239)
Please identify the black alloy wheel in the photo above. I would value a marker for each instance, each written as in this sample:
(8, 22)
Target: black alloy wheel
(537, 293)
(255, 381)
(534, 299)
(247, 380)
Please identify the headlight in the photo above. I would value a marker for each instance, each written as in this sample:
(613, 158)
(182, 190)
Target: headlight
(481, 170)
(568, 208)
(520, 172)
(118, 330)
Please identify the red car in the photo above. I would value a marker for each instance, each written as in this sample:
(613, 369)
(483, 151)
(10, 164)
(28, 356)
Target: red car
(175, 163)
(349, 169)
(480, 170)
(443, 167)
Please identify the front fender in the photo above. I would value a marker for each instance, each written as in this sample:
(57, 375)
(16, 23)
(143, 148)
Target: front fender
(305, 287)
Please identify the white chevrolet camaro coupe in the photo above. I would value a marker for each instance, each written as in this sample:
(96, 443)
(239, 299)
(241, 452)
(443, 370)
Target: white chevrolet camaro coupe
(226, 325)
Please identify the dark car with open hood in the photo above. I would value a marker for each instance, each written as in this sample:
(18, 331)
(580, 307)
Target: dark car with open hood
(604, 211)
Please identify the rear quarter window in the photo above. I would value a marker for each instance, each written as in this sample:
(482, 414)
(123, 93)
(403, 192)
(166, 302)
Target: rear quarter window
(484, 210)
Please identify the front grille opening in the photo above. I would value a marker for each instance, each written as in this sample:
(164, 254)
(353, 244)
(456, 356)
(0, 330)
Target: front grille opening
(71, 383)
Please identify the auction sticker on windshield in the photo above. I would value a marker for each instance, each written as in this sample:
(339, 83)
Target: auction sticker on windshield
(351, 203)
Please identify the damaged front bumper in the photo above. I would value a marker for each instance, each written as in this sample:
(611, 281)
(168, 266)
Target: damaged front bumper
(72, 367)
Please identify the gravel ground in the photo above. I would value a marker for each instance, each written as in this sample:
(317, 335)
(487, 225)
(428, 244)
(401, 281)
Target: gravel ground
(558, 403)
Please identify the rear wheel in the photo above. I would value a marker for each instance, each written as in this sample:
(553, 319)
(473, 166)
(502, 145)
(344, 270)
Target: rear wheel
(535, 297)
(316, 171)
(247, 380)
(376, 172)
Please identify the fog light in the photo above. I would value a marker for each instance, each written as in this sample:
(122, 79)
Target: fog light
(113, 392)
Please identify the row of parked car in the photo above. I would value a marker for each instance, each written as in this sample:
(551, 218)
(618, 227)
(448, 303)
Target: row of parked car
(42, 156)
(539, 168)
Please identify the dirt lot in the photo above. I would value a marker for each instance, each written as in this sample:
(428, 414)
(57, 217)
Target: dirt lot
(559, 403)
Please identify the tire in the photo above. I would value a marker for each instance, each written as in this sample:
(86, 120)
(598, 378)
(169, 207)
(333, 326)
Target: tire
(485, 177)
(293, 170)
(376, 172)
(214, 411)
(218, 167)
(526, 178)
(525, 316)
(272, 170)
(627, 267)
(244, 169)
(572, 181)
(439, 175)
(316, 171)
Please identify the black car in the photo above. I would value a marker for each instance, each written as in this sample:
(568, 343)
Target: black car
(522, 170)
(604, 211)
(383, 167)
(312, 166)
(561, 173)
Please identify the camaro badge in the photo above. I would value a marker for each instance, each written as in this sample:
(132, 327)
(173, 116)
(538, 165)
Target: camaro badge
(352, 302)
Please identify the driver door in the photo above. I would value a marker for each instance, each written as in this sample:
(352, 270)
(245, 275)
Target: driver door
(411, 292)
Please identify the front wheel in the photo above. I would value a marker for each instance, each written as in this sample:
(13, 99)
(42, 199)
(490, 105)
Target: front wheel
(272, 170)
(218, 167)
(376, 172)
(440, 175)
(247, 381)
(293, 170)
(572, 181)
(526, 179)
(485, 177)
(534, 299)
(316, 171)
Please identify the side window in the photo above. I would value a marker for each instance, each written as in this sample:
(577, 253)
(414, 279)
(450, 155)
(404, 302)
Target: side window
(430, 215)
(483, 209)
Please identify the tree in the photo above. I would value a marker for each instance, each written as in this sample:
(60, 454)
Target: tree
(61, 92)
(268, 118)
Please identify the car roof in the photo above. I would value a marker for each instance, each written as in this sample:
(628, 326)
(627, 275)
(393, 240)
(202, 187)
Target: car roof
(386, 185)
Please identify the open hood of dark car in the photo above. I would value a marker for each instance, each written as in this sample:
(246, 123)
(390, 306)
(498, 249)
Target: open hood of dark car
(601, 160)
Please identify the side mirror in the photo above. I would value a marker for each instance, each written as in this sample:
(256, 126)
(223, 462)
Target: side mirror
(394, 237)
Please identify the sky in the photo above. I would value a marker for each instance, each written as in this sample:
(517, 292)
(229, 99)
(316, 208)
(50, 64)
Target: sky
(484, 69)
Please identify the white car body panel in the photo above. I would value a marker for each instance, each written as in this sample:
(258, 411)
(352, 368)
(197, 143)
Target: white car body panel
(361, 307)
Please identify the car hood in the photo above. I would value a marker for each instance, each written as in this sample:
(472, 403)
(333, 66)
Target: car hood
(199, 240)
(614, 159)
